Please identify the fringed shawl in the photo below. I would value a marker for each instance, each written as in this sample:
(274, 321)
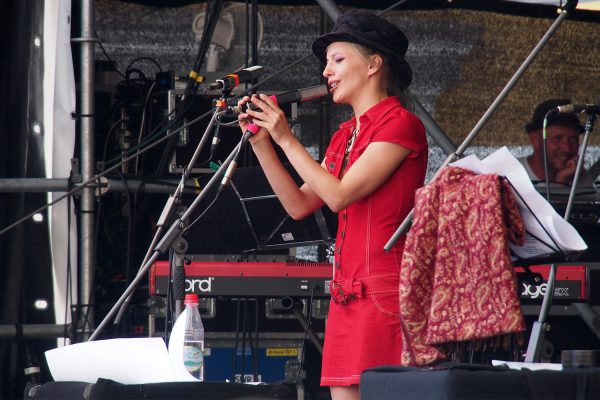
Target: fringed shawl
(457, 281)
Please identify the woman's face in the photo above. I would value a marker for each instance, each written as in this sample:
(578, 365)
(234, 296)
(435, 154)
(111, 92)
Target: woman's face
(346, 72)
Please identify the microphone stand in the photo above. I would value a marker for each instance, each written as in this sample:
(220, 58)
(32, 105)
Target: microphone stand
(569, 6)
(166, 216)
(169, 239)
(540, 327)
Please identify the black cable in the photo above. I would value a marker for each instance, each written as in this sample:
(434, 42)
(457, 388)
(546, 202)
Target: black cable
(169, 303)
(187, 228)
(114, 64)
(161, 133)
(129, 228)
(212, 15)
(244, 337)
(236, 337)
(308, 322)
(152, 60)
(142, 122)
(156, 135)
(255, 347)
(107, 138)
(104, 173)
(254, 32)
(247, 47)
(68, 294)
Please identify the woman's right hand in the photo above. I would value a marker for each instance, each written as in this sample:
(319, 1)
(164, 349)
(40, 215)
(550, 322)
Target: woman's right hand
(244, 120)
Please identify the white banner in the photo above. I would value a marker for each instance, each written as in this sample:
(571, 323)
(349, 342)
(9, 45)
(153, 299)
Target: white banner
(59, 142)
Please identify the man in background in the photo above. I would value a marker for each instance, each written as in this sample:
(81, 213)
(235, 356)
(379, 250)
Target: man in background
(562, 146)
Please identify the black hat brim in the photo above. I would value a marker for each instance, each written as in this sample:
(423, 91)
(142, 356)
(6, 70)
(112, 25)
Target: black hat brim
(557, 119)
(399, 65)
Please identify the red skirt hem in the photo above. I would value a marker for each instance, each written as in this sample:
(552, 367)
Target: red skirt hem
(349, 381)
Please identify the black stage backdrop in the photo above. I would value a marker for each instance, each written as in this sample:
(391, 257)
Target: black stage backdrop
(24, 252)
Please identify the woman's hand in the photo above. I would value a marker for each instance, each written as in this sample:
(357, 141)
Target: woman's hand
(244, 120)
(270, 117)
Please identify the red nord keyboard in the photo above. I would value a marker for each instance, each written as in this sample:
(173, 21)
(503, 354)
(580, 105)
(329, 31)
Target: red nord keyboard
(247, 279)
(280, 279)
(570, 282)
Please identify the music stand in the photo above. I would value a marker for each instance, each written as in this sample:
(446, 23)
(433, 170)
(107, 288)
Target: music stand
(249, 219)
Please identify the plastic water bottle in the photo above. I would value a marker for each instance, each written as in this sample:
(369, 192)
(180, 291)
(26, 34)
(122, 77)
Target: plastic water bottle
(193, 339)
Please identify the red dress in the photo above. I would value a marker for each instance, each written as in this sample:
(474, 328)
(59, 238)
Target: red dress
(363, 326)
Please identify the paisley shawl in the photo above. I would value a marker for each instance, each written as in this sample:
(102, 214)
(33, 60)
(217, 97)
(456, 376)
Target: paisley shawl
(457, 281)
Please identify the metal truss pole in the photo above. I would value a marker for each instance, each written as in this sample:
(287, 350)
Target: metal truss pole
(104, 185)
(87, 208)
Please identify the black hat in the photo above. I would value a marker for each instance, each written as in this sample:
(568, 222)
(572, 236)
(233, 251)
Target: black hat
(373, 32)
(542, 109)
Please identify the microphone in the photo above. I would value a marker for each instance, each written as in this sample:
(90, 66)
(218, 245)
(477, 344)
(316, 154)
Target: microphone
(215, 141)
(250, 130)
(579, 108)
(293, 96)
(231, 81)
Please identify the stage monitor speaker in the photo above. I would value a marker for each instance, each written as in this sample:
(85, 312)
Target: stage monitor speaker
(107, 389)
(248, 218)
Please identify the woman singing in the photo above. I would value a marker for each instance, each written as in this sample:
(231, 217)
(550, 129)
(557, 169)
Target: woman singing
(372, 167)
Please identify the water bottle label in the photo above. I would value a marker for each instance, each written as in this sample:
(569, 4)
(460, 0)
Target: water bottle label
(193, 358)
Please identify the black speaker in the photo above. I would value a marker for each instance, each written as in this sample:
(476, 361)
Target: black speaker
(107, 389)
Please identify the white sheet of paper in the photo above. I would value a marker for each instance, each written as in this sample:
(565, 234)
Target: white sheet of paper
(528, 365)
(127, 361)
(503, 163)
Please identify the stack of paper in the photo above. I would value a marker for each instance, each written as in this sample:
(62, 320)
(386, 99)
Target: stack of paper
(127, 361)
(543, 224)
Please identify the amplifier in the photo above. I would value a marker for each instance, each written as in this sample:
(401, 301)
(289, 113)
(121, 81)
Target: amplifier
(570, 283)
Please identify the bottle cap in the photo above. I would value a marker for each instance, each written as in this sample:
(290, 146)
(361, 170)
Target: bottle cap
(191, 298)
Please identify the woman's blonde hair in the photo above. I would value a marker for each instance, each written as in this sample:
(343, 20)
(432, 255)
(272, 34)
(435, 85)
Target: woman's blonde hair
(389, 81)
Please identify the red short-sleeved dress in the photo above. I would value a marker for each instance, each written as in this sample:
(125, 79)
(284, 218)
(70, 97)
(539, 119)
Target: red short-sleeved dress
(363, 326)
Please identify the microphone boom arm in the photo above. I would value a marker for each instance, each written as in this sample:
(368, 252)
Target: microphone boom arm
(171, 203)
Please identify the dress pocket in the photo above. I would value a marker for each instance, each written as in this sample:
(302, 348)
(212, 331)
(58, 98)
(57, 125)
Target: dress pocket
(387, 302)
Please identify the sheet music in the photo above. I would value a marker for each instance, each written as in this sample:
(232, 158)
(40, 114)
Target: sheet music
(127, 361)
(538, 243)
(538, 366)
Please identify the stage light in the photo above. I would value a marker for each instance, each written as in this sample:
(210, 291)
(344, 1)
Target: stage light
(41, 304)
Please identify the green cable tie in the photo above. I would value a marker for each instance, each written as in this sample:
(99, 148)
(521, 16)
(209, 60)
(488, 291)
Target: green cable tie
(215, 167)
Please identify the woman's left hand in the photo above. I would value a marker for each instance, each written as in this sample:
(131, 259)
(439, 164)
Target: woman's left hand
(271, 117)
